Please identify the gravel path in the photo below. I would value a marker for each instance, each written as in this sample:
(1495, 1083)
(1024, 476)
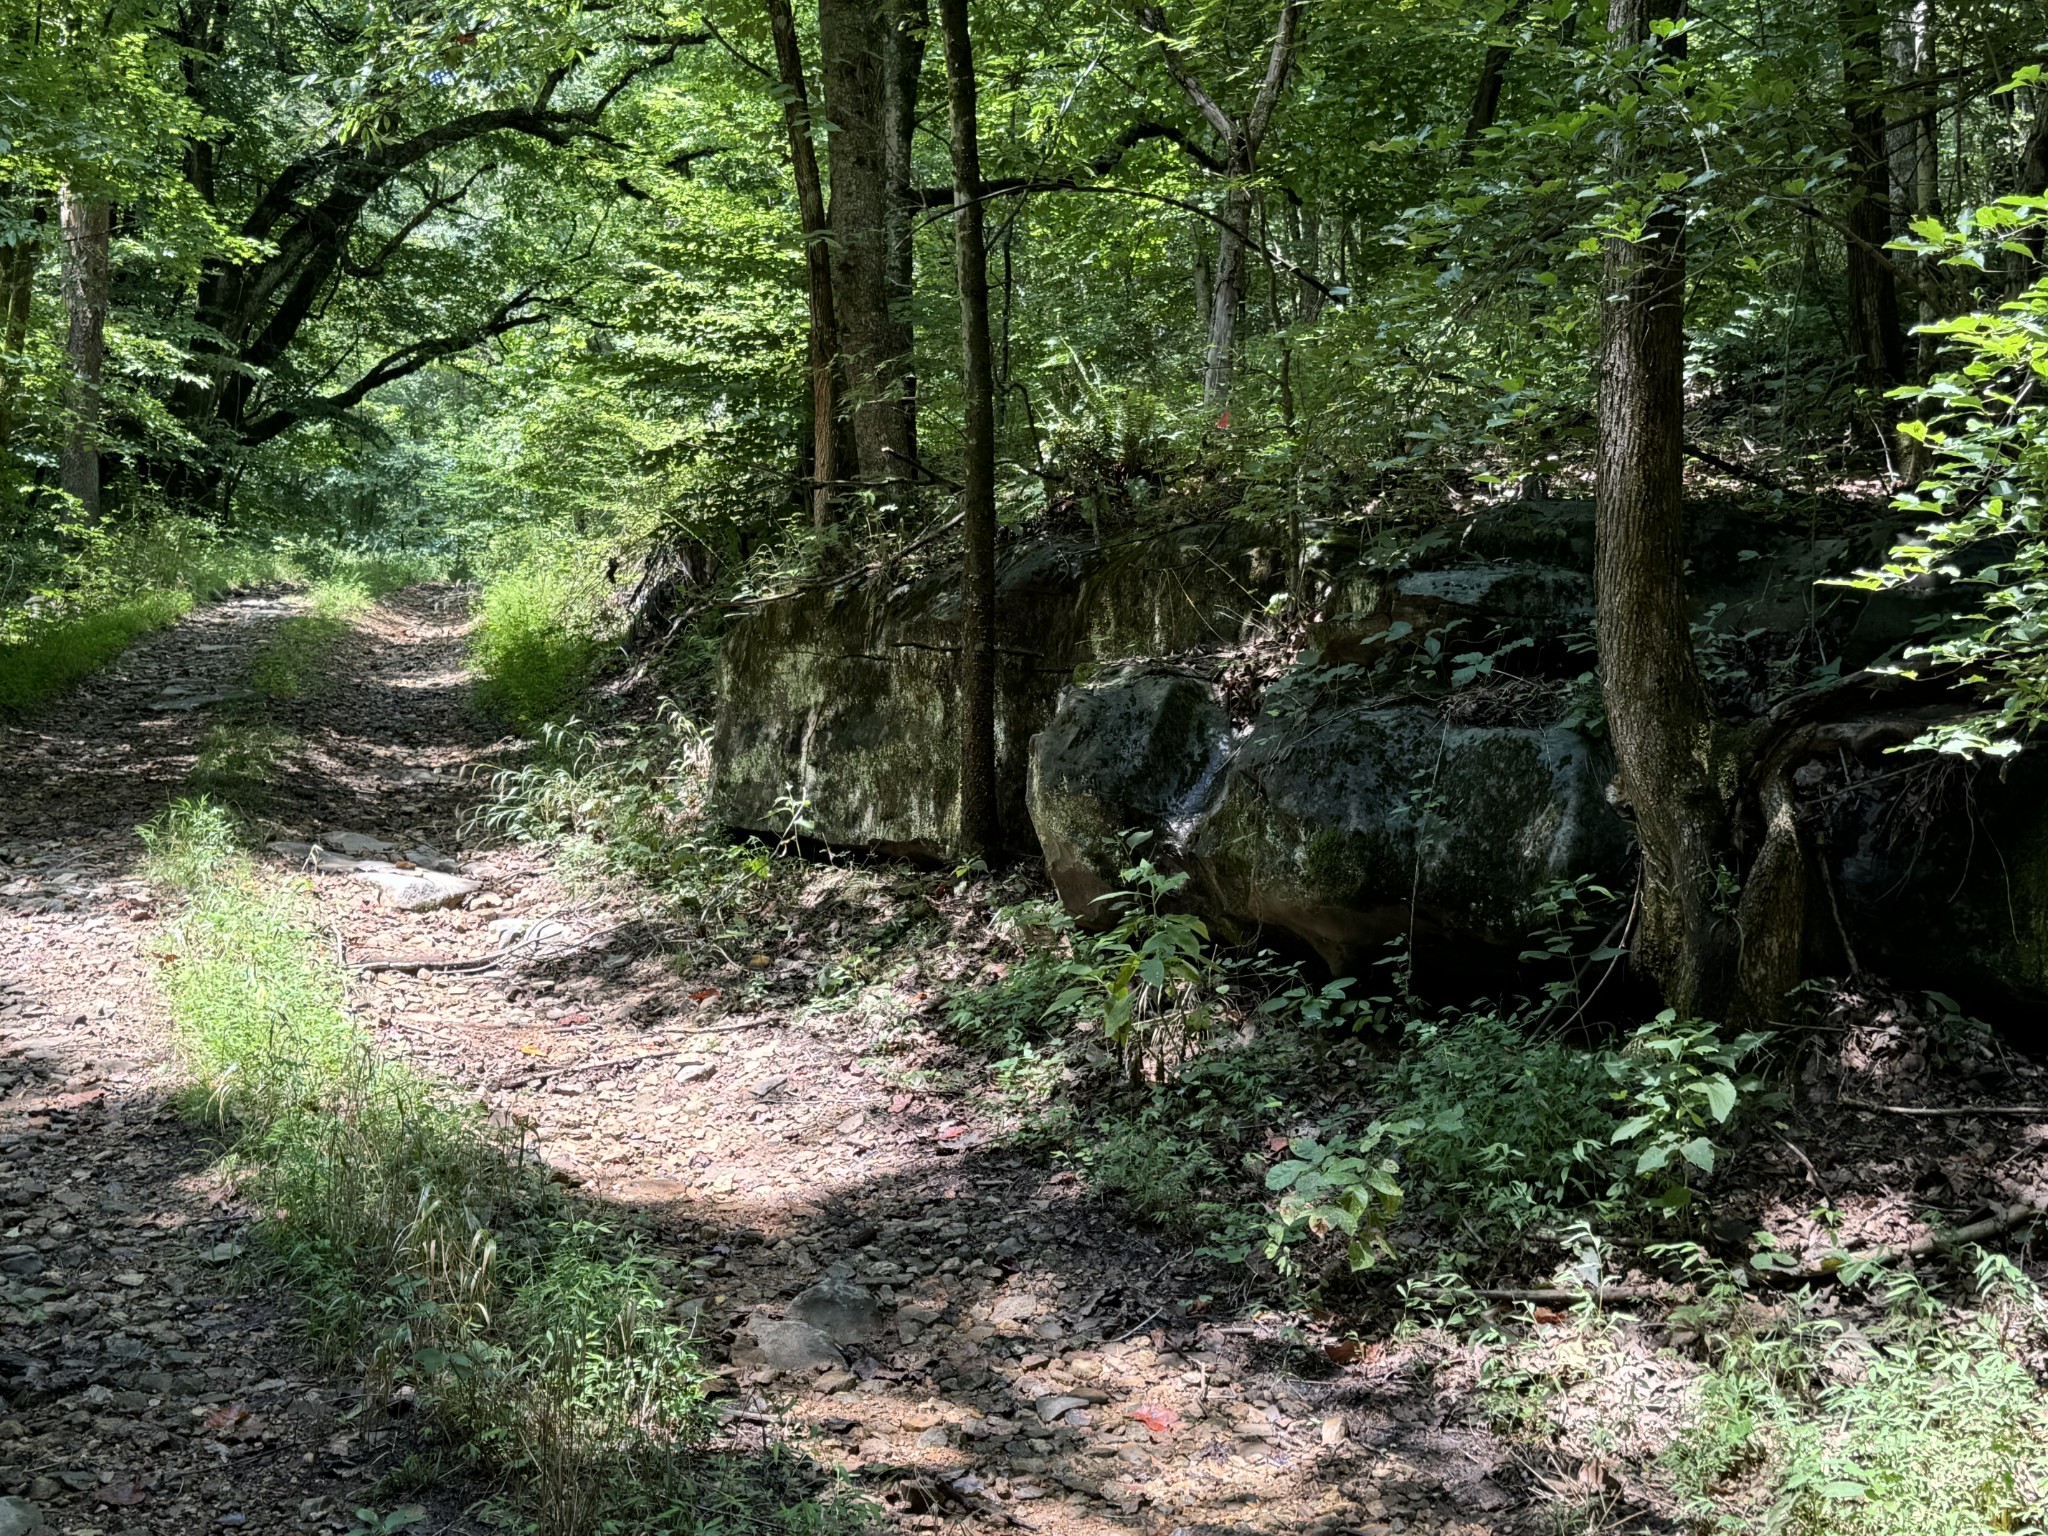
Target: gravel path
(1011, 1353)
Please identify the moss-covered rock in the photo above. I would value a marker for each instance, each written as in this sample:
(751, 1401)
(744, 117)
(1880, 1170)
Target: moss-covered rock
(1344, 826)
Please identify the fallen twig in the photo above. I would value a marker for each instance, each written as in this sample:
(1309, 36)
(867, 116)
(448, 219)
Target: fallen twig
(2002, 1220)
(525, 1076)
(1949, 1109)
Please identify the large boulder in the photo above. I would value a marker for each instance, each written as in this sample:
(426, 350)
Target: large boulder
(1344, 825)
(843, 700)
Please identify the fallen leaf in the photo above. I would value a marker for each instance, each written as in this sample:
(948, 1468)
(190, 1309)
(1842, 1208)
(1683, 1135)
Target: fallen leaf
(900, 1103)
(1340, 1351)
(123, 1495)
(1156, 1417)
(1549, 1315)
(703, 994)
(225, 1418)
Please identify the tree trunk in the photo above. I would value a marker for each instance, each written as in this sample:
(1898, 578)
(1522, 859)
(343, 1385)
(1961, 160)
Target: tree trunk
(810, 196)
(17, 293)
(854, 41)
(979, 834)
(2032, 181)
(1227, 299)
(87, 226)
(1873, 288)
(905, 40)
(1241, 138)
(1658, 713)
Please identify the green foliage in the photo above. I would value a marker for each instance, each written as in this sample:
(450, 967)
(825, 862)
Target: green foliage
(1928, 1421)
(635, 797)
(75, 596)
(1984, 505)
(1507, 1129)
(537, 636)
(1345, 1187)
(1680, 1083)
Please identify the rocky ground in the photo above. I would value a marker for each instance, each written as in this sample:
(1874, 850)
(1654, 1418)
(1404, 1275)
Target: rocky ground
(961, 1329)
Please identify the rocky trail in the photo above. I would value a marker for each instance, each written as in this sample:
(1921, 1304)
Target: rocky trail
(963, 1331)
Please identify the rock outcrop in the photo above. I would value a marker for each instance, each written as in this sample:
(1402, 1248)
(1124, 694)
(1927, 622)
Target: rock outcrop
(1345, 826)
(1357, 788)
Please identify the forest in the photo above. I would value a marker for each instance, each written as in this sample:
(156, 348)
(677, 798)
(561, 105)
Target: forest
(834, 766)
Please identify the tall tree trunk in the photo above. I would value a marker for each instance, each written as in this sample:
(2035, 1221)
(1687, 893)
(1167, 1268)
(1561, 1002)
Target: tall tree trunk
(979, 832)
(810, 196)
(86, 223)
(855, 46)
(1658, 713)
(1227, 300)
(1873, 288)
(905, 47)
(2032, 181)
(1241, 138)
(17, 293)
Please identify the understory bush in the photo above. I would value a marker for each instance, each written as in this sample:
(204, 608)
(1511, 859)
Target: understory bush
(1224, 1096)
(632, 800)
(540, 623)
(426, 1242)
(1925, 1422)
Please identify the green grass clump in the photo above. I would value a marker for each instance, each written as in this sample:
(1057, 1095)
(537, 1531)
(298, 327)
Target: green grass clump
(50, 657)
(426, 1245)
(77, 605)
(1925, 1424)
(537, 637)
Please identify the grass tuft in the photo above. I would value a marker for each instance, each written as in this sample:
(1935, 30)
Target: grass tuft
(426, 1244)
(536, 642)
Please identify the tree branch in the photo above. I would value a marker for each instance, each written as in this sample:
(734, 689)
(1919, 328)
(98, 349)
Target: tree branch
(509, 316)
(1153, 19)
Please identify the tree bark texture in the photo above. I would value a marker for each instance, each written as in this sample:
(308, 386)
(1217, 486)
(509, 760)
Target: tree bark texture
(86, 224)
(856, 43)
(810, 193)
(1659, 716)
(1873, 287)
(17, 292)
(979, 833)
(908, 21)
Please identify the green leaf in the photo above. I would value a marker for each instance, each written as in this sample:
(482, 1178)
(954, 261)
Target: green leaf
(1720, 1097)
(1700, 1153)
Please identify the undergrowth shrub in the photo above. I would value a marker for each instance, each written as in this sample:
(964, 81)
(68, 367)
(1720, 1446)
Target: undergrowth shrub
(540, 623)
(1225, 1096)
(1926, 1421)
(633, 799)
(427, 1245)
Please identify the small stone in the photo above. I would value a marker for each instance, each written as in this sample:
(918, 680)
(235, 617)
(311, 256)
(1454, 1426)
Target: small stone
(794, 1346)
(79, 1480)
(19, 1517)
(844, 1312)
(1051, 1406)
(768, 1086)
(1333, 1431)
(836, 1381)
(694, 1071)
(130, 1278)
(419, 890)
(937, 1438)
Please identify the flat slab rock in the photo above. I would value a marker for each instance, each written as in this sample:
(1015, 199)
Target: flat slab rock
(844, 1312)
(418, 890)
(793, 1346)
